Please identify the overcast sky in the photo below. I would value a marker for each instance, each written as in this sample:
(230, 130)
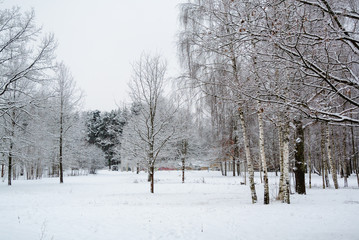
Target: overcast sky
(99, 39)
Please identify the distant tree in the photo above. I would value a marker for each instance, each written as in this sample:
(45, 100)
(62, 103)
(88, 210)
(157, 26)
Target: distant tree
(67, 97)
(109, 133)
(93, 123)
(80, 154)
(105, 131)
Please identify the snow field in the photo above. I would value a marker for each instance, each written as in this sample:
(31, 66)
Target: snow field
(118, 205)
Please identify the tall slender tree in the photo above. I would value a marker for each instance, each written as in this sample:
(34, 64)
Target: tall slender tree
(155, 115)
(66, 98)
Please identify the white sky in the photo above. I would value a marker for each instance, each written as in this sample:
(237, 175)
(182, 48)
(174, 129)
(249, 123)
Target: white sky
(99, 39)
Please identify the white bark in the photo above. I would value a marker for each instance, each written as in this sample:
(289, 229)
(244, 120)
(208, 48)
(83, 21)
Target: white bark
(324, 160)
(286, 190)
(248, 157)
(262, 153)
(330, 157)
(281, 181)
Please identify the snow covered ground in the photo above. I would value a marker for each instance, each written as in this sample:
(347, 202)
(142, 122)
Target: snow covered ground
(118, 205)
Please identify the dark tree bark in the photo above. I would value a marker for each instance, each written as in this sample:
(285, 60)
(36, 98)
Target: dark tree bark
(299, 158)
(9, 167)
(238, 168)
(61, 144)
(183, 156)
(152, 172)
(344, 158)
(234, 167)
(225, 168)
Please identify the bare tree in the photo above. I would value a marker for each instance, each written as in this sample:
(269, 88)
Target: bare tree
(19, 36)
(25, 60)
(66, 99)
(153, 124)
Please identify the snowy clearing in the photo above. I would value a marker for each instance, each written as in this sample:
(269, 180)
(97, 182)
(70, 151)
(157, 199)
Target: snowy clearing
(118, 205)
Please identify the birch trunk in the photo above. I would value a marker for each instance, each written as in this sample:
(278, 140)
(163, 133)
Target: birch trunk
(151, 168)
(245, 172)
(286, 190)
(262, 154)
(12, 135)
(221, 166)
(330, 157)
(355, 154)
(281, 169)
(324, 160)
(248, 157)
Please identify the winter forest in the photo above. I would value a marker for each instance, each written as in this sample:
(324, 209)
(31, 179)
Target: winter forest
(258, 134)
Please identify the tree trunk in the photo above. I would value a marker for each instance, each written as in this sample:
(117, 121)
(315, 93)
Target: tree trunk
(310, 167)
(281, 166)
(324, 160)
(12, 134)
(345, 155)
(2, 170)
(260, 170)
(183, 169)
(60, 159)
(330, 157)
(262, 154)
(9, 167)
(354, 154)
(225, 167)
(14, 176)
(61, 140)
(299, 158)
(39, 171)
(221, 167)
(152, 173)
(138, 168)
(234, 167)
(286, 186)
(275, 159)
(322, 170)
(149, 175)
(183, 155)
(245, 172)
(248, 157)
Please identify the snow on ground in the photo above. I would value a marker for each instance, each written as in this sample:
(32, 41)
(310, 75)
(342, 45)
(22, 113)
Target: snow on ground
(118, 205)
